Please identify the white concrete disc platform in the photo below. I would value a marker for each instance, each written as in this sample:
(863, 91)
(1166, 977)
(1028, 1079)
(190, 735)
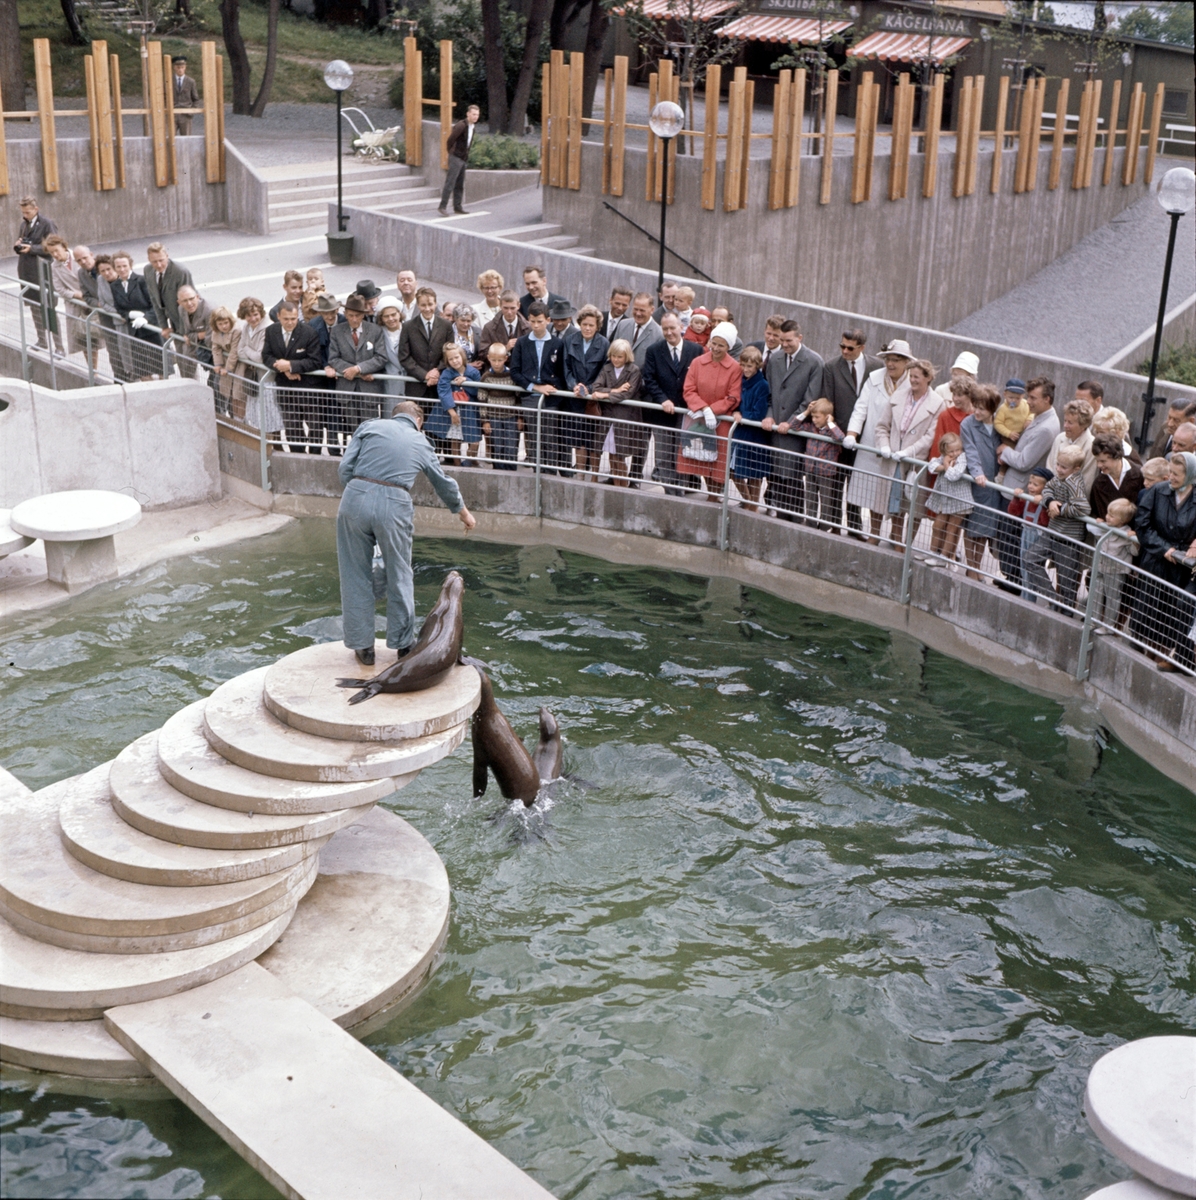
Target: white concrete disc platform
(300, 690)
(367, 935)
(10, 540)
(301, 879)
(1133, 1189)
(75, 516)
(1141, 1103)
(48, 983)
(190, 763)
(81, 1048)
(146, 801)
(240, 727)
(93, 831)
(43, 882)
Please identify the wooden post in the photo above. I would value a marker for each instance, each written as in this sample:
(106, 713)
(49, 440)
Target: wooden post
(118, 119)
(607, 77)
(797, 115)
(1057, 137)
(1077, 170)
(714, 76)
(664, 91)
(973, 160)
(157, 106)
(1035, 134)
(1133, 134)
(220, 113)
(212, 101)
(1152, 147)
(413, 102)
(93, 128)
(146, 126)
(560, 119)
(545, 123)
(749, 107)
(863, 98)
(576, 93)
(963, 130)
(999, 133)
(168, 124)
(830, 102)
(895, 140)
(45, 112)
(1093, 127)
(103, 95)
(1111, 140)
(619, 129)
(934, 122)
(672, 161)
(650, 159)
(3, 153)
(777, 167)
(734, 162)
(1023, 137)
(446, 99)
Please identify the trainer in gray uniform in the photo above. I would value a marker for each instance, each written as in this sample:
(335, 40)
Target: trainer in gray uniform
(378, 471)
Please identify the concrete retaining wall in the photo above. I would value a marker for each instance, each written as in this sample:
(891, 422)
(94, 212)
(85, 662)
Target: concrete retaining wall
(456, 256)
(1154, 714)
(154, 441)
(140, 209)
(1178, 330)
(248, 194)
(926, 261)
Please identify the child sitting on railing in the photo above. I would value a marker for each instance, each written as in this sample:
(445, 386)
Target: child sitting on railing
(951, 498)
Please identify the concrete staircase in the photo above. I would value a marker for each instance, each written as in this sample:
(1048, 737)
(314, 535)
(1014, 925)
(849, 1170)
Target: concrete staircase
(542, 233)
(300, 194)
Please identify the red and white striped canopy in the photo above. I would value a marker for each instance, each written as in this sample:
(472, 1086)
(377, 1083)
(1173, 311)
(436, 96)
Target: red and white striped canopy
(760, 27)
(908, 47)
(686, 10)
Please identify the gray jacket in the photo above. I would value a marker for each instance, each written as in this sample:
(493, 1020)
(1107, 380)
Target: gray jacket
(648, 335)
(1031, 450)
(793, 390)
(367, 355)
(165, 295)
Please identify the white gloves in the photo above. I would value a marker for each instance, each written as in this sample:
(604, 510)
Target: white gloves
(137, 319)
(898, 455)
(886, 452)
(710, 418)
(849, 441)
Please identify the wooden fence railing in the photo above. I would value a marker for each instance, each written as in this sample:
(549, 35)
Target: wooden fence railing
(790, 141)
(106, 115)
(414, 99)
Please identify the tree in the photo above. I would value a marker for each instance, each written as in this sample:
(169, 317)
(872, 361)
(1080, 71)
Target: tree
(595, 39)
(263, 93)
(73, 25)
(238, 57)
(12, 69)
(1174, 25)
(496, 79)
(528, 67)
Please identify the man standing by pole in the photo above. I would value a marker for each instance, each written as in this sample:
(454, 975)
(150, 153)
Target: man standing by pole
(378, 471)
(460, 139)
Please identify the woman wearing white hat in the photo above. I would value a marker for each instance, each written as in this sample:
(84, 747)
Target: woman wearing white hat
(965, 366)
(390, 316)
(869, 486)
(712, 387)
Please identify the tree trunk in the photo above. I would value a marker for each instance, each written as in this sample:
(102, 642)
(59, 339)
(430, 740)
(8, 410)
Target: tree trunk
(238, 59)
(528, 67)
(595, 38)
(12, 70)
(263, 92)
(73, 25)
(496, 73)
(183, 8)
(562, 10)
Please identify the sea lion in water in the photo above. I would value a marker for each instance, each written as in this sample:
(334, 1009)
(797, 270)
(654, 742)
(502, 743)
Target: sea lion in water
(497, 748)
(431, 657)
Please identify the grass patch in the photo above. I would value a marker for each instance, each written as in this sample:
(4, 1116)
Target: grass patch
(1177, 364)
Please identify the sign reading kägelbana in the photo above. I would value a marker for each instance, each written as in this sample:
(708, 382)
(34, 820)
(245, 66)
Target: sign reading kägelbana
(898, 21)
(812, 8)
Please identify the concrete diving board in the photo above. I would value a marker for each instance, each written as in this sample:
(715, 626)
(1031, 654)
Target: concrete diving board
(318, 1114)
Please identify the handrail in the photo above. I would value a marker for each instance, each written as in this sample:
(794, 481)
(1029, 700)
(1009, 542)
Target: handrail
(654, 238)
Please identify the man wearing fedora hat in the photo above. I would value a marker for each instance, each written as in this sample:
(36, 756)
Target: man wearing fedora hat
(353, 358)
(560, 316)
(328, 315)
(369, 292)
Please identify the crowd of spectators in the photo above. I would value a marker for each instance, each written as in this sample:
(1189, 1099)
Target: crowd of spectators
(1005, 470)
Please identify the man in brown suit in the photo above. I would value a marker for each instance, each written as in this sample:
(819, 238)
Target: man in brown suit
(460, 138)
(421, 346)
(842, 381)
(507, 327)
(186, 95)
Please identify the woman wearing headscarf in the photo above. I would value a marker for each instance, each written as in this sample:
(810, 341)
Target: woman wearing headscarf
(887, 385)
(390, 316)
(1166, 527)
(712, 389)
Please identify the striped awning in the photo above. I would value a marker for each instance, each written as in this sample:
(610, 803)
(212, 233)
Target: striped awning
(908, 47)
(685, 10)
(760, 27)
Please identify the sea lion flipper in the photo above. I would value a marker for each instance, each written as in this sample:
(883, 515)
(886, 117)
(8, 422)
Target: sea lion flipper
(353, 683)
(481, 767)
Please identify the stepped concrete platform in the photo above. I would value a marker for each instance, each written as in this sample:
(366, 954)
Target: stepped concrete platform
(80, 1048)
(315, 1112)
(148, 803)
(296, 690)
(241, 729)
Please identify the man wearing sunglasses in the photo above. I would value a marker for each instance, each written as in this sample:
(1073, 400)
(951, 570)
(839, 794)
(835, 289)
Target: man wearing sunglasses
(842, 382)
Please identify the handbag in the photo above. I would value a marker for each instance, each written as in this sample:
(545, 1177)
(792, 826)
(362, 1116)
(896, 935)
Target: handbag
(700, 447)
(460, 396)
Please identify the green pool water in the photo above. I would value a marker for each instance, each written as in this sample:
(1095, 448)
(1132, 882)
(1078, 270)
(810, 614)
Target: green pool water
(830, 916)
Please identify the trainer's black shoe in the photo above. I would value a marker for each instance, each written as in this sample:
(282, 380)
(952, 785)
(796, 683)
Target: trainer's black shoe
(366, 656)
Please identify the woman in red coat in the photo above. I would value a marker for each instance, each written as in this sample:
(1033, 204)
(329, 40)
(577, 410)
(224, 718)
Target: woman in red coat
(712, 387)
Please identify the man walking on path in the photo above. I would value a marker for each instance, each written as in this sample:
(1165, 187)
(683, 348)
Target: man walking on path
(377, 473)
(186, 95)
(460, 139)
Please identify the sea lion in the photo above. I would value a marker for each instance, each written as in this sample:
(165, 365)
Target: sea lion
(496, 748)
(430, 658)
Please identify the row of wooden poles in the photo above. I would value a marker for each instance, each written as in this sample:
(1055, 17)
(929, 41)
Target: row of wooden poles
(105, 113)
(561, 134)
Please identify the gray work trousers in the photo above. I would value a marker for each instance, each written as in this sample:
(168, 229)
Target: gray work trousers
(369, 513)
(454, 183)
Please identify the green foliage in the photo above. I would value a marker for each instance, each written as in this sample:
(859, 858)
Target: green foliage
(1176, 363)
(499, 152)
(1174, 24)
(685, 24)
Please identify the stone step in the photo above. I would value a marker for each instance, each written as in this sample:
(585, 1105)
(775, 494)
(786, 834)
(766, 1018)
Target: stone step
(562, 241)
(300, 690)
(43, 882)
(189, 763)
(146, 801)
(81, 1048)
(240, 727)
(39, 982)
(325, 177)
(586, 251)
(528, 233)
(418, 198)
(362, 198)
(308, 188)
(317, 1113)
(301, 879)
(94, 832)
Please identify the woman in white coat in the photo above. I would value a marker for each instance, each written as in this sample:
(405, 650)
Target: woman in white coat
(871, 477)
(906, 431)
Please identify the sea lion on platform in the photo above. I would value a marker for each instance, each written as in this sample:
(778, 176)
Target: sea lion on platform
(431, 657)
(497, 748)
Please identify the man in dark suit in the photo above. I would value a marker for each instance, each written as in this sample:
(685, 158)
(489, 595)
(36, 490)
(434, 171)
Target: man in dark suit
(460, 139)
(665, 367)
(328, 316)
(770, 344)
(28, 248)
(421, 347)
(186, 95)
(1178, 412)
(538, 367)
(354, 356)
(795, 382)
(507, 327)
(537, 289)
(620, 302)
(842, 382)
(163, 278)
(291, 350)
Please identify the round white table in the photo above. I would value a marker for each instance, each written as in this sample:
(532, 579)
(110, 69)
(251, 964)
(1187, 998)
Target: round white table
(10, 540)
(78, 529)
(1141, 1103)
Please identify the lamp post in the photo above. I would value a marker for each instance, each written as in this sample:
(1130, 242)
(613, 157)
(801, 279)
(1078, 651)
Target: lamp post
(1176, 196)
(667, 120)
(338, 75)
